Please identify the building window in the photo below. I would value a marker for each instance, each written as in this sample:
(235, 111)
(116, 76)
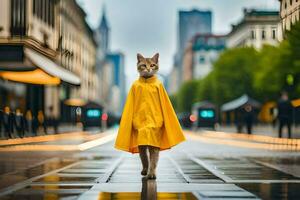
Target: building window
(263, 34)
(274, 34)
(44, 10)
(291, 2)
(18, 17)
(253, 34)
(202, 59)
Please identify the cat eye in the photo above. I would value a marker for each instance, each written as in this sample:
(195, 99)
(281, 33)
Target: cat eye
(142, 66)
(153, 65)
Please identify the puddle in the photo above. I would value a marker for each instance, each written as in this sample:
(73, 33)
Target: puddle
(245, 169)
(11, 179)
(43, 196)
(57, 187)
(55, 178)
(274, 191)
(196, 173)
(138, 196)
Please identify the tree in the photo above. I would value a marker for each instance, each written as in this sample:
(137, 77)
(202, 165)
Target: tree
(187, 95)
(205, 88)
(233, 74)
(291, 59)
(268, 78)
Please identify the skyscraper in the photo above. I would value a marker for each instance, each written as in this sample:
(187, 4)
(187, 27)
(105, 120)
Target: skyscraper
(110, 69)
(191, 23)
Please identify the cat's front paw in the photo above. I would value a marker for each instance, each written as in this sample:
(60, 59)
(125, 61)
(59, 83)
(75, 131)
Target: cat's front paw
(151, 176)
(144, 172)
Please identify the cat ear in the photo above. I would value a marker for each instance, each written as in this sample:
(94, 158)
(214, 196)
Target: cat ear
(139, 57)
(155, 58)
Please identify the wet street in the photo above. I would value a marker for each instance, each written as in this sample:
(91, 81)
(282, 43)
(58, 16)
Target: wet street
(206, 166)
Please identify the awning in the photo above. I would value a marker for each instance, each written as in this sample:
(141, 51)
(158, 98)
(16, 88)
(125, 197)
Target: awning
(239, 102)
(36, 76)
(75, 102)
(51, 67)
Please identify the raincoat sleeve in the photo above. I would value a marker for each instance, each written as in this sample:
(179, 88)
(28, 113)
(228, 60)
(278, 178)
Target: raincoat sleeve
(173, 133)
(124, 137)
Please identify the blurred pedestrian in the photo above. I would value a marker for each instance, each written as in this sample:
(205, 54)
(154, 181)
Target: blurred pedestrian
(29, 119)
(19, 123)
(248, 116)
(7, 122)
(1, 123)
(42, 121)
(52, 120)
(285, 114)
(239, 120)
(35, 125)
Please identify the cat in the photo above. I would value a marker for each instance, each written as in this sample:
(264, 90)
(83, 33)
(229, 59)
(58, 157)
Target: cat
(149, 155)
(147, 67)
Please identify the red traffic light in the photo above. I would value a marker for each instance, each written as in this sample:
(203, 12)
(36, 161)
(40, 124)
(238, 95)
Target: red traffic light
(193, 118)
(104, 117)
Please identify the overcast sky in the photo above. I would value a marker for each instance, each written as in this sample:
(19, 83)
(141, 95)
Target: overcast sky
(149, 26)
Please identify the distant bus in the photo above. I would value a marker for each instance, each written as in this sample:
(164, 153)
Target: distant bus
(92, 115)
(205, 115)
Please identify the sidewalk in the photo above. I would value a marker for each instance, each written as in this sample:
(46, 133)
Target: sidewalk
(63, 128)
(266, 130)
(67, 141)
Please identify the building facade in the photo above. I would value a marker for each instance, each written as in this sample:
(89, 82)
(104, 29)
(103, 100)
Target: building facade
(289, 13)
(203, 51)
(257, 28)
(119, 82)
(47, 55)
(173, 81)
(190, 23)
(77, 54)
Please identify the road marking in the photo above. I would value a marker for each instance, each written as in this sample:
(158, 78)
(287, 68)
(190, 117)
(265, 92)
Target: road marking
(105, 178)
(44, 138)
(105, 137)
(187, 179)
(244, 144)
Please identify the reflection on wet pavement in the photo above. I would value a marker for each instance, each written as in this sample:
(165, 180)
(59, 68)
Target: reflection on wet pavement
(244, 170)
(274, 191)
(40, 196)
(138, 196)
(23, 175)
(183, 176)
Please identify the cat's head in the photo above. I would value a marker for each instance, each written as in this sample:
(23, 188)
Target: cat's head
(147, 67)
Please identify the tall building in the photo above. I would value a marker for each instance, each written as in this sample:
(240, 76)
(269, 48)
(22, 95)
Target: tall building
(110, 70)
(117, 60)
(289, 13)
(190, 23)
(102, 36)
(78, 54)
(258, 27)
(47, 55)
(202, 51)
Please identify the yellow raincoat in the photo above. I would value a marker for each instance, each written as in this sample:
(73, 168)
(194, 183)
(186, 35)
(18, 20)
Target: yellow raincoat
(148, 118)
